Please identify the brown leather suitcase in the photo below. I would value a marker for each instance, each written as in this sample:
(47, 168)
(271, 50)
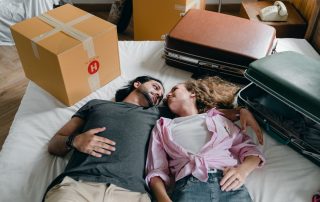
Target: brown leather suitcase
(209, 43)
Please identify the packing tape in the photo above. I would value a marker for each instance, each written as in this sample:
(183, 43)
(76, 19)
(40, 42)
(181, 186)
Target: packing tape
(94, 81)
(86, 40)
(68, 29)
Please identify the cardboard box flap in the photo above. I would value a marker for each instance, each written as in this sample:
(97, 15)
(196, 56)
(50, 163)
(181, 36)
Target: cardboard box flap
(57, 41)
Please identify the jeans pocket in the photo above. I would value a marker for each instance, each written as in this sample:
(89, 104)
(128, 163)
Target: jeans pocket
(243, 194)
(182, 184)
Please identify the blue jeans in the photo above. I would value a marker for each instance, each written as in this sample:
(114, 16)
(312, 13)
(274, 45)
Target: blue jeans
(191, 189)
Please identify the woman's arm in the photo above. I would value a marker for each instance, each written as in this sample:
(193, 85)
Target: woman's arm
(158, 188)
(246, 119)
(157, 165)
(234, 177)
(231, 114)
(244, 149)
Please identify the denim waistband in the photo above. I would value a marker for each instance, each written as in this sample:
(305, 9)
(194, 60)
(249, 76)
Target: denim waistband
(212, 177)
(214, 170)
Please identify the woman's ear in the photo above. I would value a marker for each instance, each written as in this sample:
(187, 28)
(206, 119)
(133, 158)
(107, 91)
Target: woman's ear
(192, 95)
(137, 84)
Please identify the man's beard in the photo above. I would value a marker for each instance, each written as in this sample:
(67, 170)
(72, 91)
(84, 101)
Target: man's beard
(146, 95)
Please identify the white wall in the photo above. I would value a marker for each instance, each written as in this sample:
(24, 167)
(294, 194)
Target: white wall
(110, 1)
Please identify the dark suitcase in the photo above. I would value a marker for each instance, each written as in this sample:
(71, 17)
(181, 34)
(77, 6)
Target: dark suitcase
(205, 42)
(284, 96)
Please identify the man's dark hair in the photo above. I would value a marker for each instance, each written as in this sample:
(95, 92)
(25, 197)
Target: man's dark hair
(122, 93)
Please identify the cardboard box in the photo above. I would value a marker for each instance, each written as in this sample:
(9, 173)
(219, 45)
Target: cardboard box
(68, 52)
(152, 19)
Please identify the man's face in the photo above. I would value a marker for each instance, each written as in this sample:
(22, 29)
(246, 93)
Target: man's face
(152, 91)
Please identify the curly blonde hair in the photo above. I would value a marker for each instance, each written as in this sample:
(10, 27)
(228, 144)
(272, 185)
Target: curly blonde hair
(212, 92)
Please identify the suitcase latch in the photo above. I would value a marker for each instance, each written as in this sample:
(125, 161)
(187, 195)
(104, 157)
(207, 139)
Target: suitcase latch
(266, 124)
(210, 65)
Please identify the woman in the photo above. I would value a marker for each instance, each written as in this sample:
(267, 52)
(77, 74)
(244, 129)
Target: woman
(207, 154)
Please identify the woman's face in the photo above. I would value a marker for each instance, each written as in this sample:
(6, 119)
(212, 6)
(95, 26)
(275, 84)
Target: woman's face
(179, 96)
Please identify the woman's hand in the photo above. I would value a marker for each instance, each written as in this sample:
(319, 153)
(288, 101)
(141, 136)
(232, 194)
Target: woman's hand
(233, 178)
(89, 143)
(247, 119)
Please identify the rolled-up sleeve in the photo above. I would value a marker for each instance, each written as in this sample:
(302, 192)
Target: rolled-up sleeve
(157, 162)
(243, 146)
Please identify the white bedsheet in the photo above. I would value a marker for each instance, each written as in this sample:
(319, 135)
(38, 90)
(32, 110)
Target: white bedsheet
(13, 11)
(26, 168)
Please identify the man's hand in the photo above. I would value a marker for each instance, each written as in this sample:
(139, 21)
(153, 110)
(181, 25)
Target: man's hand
(247, 119)
(89, 143)
(233, 178)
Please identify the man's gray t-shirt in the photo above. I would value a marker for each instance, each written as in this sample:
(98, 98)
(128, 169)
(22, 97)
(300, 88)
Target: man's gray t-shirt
(129, 126)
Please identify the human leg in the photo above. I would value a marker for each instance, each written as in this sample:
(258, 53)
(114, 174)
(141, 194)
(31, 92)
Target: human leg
(120, 14)
(70, 190)
(116, 194)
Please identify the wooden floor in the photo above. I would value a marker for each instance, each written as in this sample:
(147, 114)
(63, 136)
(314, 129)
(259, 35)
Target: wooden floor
(12, 87)
(13, 82)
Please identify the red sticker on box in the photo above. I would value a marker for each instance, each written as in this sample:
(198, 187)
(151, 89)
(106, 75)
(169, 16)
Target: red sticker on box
(93, 67)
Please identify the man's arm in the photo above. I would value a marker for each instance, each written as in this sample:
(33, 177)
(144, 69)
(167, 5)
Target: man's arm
(246, 119)
(87, 142)
(57, 144)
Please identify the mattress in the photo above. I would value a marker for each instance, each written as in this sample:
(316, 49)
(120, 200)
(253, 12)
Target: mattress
(26, 168)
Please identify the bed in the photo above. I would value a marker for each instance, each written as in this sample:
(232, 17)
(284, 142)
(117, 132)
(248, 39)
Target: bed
(26, 168)
(13, 11)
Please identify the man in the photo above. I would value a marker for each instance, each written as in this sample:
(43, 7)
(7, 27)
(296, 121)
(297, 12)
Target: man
(97, 171)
